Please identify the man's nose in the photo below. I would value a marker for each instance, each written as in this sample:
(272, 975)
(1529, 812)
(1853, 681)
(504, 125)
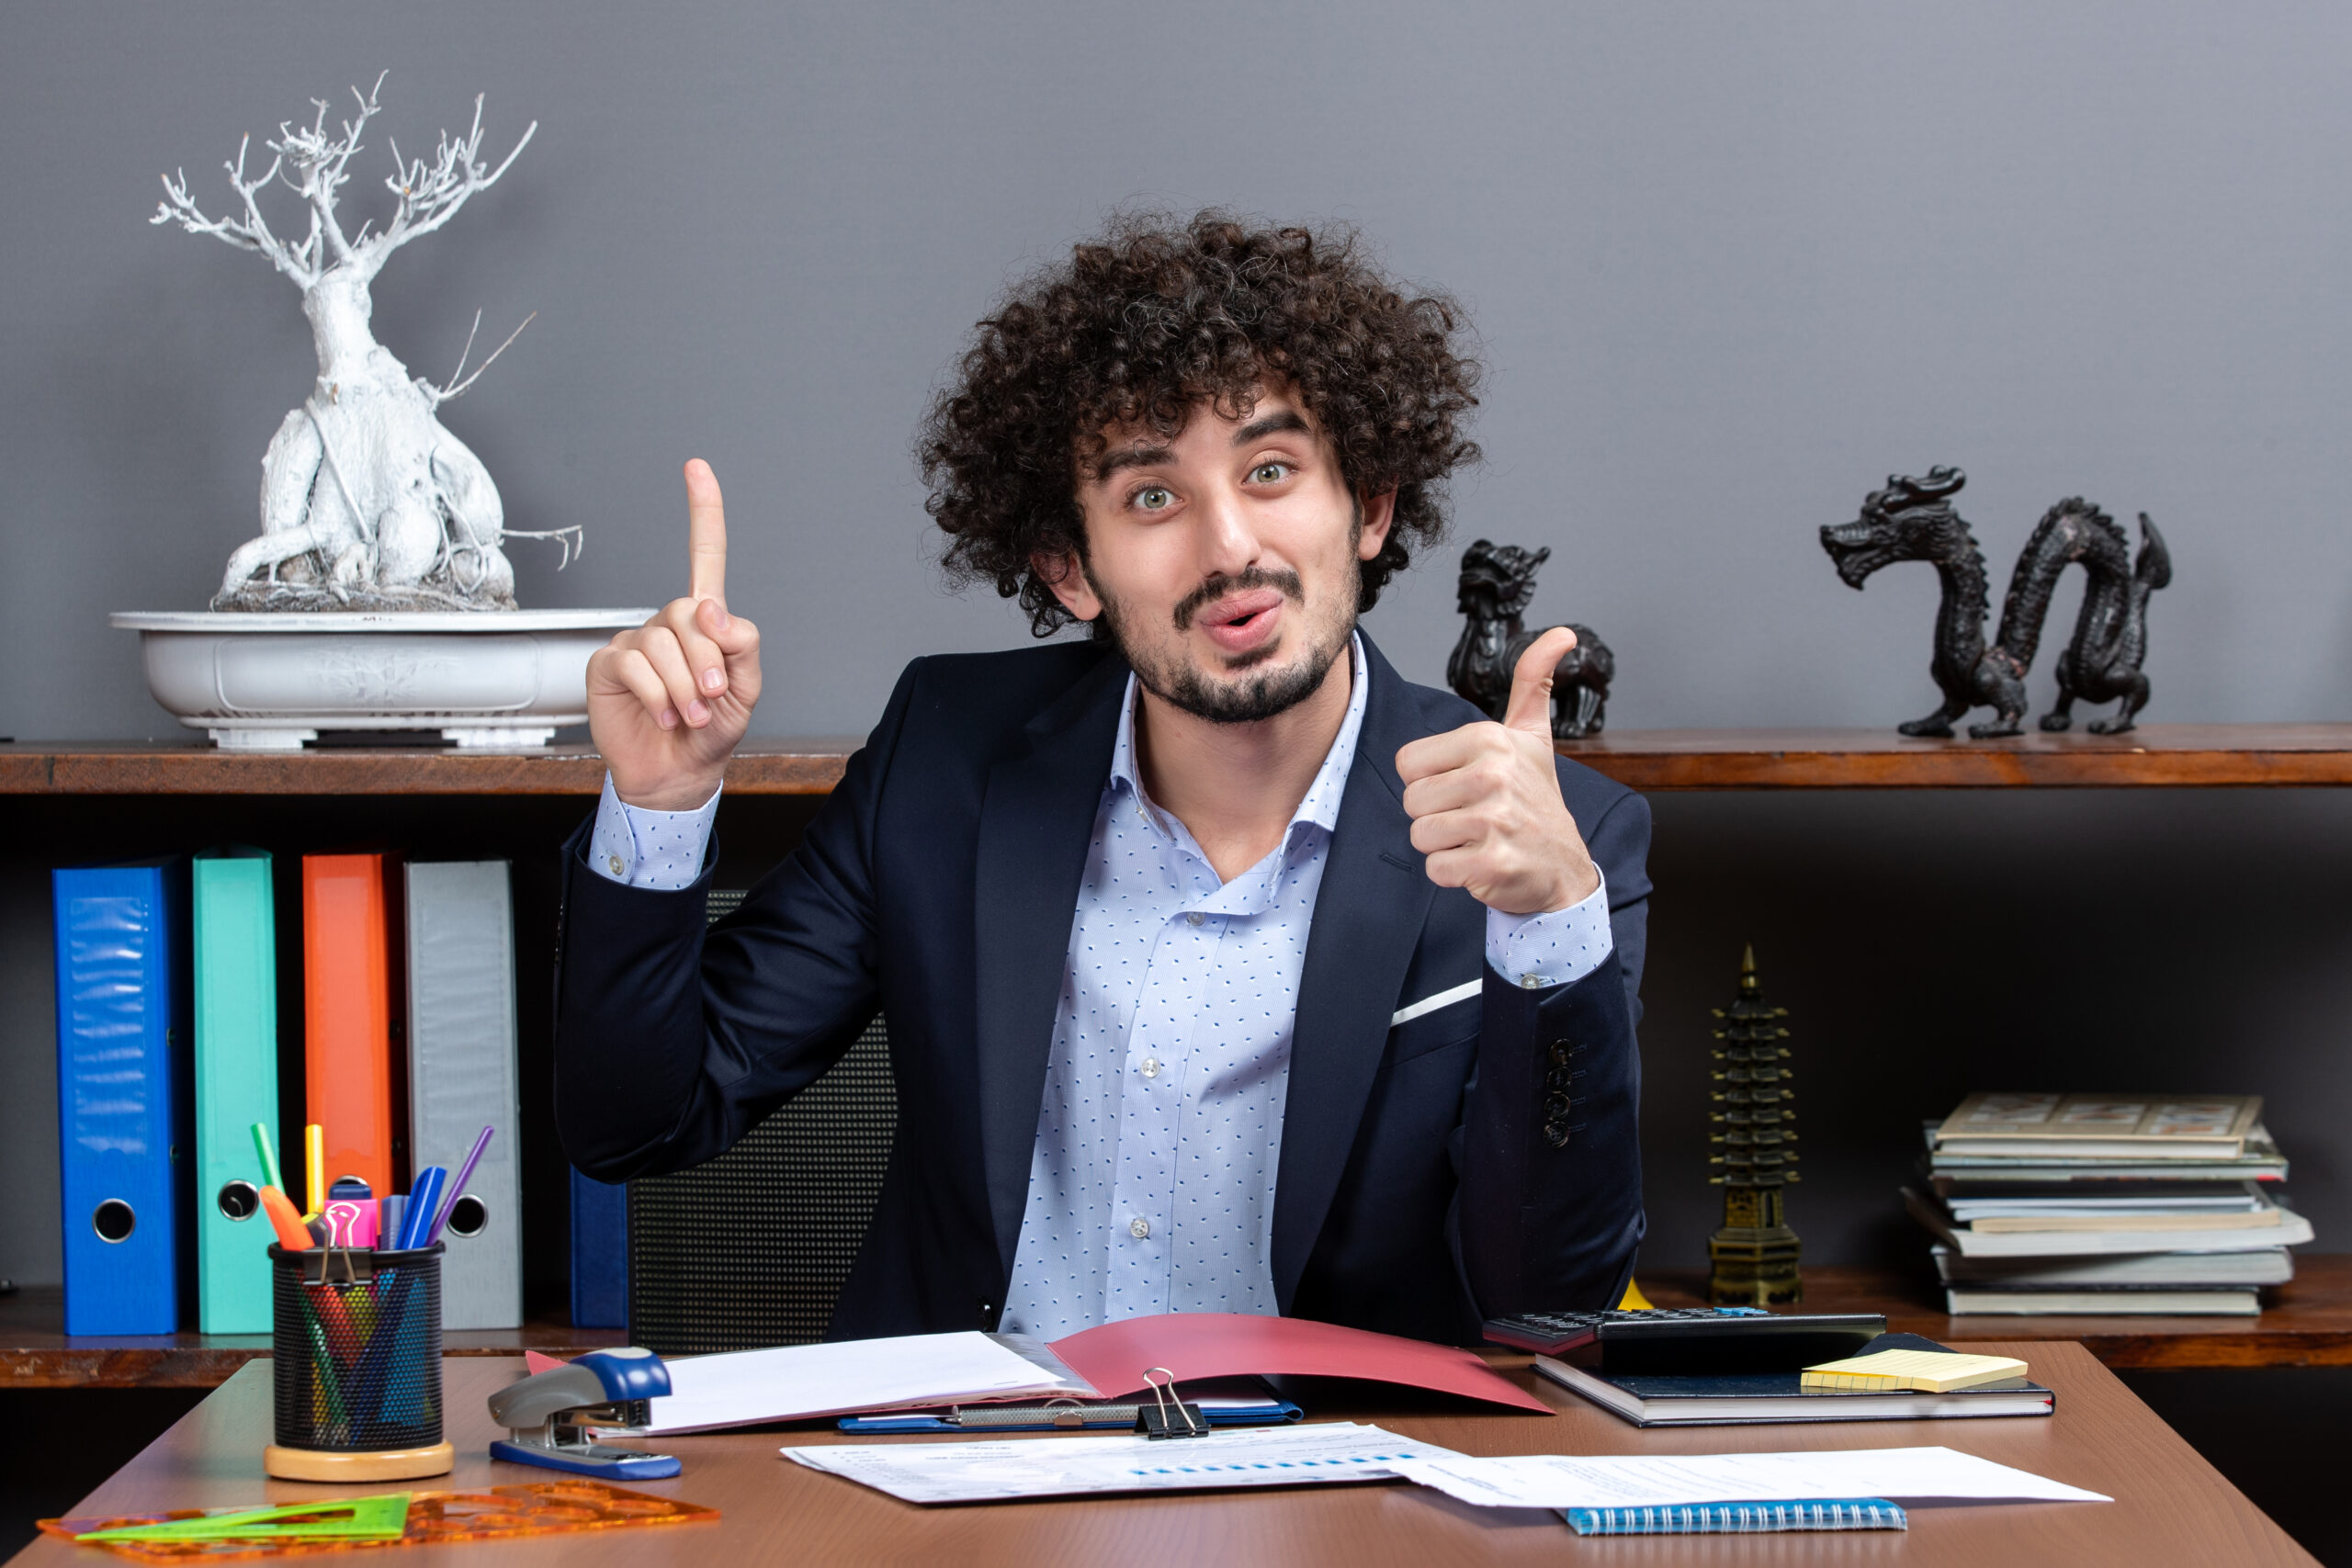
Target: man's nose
(1227, 542)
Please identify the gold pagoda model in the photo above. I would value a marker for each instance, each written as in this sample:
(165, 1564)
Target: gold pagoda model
(1753, 1258)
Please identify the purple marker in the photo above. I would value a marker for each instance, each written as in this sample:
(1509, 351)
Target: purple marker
(465, 1174)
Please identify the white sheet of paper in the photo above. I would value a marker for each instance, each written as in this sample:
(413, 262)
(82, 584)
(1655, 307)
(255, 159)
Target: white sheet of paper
(744, 1387)
(965, 1471)
(1635, 1480)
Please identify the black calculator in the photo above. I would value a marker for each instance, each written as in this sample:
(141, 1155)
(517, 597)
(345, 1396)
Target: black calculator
(1692, 1341)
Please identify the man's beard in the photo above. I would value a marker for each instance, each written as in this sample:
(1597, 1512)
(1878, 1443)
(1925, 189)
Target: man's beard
(1178, 684)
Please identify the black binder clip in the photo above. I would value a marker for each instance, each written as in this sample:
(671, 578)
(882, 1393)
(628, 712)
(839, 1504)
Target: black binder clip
(1166, 1416)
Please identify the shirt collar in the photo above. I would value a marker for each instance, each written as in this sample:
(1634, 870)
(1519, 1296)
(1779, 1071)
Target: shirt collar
(1320, 806)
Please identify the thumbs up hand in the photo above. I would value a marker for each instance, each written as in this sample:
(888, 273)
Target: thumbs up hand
(1485, 800)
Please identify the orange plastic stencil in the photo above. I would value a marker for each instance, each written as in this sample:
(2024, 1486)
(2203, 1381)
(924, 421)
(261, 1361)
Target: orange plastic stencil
(543, 1508)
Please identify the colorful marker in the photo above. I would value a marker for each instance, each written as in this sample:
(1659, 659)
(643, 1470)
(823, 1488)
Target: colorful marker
(390, 1210)
(269, 1176)
(465, 1174)
(424, 1199)
(314, 1180)
(284, 1220)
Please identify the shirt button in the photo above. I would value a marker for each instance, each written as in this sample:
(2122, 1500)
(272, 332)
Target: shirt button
(620, 867)
(1138, 1228)
(1151, 1067)
(1193, 919)
(1532, 982)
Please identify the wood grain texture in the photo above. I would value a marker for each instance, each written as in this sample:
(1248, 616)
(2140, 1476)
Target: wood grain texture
(2171, 1506)
(763, 767)
(2306, 1323)
(35, 1351)
(2158, 755)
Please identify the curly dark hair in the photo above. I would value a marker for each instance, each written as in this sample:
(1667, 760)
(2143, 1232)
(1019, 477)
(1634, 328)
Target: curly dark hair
(1157, 317)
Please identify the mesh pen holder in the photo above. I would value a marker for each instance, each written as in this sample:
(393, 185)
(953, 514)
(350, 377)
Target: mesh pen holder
(356, 1365)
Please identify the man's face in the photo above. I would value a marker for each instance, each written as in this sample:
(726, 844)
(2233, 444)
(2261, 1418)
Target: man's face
(1223, 560)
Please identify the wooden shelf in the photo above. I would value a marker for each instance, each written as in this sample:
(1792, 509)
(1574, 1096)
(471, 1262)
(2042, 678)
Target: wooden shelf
(36, 1352)
(129, 767)
(2159, 755)
(2307, 1323)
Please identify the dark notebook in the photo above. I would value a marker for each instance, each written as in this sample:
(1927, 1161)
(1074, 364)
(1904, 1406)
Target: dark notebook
(1733, 1399)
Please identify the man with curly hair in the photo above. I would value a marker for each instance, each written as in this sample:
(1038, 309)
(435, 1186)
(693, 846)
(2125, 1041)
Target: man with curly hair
(1225, 970)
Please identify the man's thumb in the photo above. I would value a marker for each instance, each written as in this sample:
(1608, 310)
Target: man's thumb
(1531, 683)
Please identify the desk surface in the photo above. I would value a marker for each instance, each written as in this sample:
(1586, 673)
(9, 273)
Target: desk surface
(2171, 1506)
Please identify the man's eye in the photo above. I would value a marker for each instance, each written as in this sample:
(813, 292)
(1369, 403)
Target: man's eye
(1153, 498)
(1269, 473)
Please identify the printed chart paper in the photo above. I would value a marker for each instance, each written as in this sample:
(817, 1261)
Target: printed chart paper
(966, 1472)
(1637, 1481)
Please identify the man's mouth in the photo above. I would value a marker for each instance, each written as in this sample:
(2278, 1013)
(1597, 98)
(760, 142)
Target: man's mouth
(1241, 623)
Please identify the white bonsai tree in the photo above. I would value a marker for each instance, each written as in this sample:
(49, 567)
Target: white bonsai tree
(366, 501)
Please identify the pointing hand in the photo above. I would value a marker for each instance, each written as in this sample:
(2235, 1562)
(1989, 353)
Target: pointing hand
(669, 701)
(1485, 800)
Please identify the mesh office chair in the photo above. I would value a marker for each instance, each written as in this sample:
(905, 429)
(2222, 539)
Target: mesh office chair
(751, 1249)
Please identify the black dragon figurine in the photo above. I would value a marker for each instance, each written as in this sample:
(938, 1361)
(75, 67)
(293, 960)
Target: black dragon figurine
(1498, 581)
(1913, 519)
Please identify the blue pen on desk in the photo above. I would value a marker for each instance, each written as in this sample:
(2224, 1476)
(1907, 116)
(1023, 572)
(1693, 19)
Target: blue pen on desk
(465, 1174)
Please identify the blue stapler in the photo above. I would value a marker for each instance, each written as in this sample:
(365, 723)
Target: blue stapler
(551, 1417)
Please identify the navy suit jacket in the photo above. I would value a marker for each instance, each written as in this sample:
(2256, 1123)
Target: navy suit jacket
(1480, 1159)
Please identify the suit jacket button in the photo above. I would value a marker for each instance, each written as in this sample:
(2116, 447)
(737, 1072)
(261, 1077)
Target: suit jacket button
(988, 1315)
(1561, 1053)
(1556, 1133)
(1555, 1107)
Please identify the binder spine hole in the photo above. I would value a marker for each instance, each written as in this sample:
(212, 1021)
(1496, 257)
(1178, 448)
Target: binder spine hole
(114, 1221)
(239, 1199)
(468, 1216)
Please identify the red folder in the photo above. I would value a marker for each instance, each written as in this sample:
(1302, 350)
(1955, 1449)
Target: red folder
(352, 1062)
(1192, 1345)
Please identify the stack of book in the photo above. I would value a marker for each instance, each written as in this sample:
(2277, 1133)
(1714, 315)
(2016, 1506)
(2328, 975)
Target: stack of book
(2107, 1203)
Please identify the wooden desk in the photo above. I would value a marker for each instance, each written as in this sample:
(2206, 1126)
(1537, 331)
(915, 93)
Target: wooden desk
(2171, 1506)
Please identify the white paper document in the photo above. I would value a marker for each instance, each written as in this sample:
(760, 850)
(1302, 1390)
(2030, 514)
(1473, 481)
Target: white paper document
(1636, 1481)
(965, 1471)
(744, 1387)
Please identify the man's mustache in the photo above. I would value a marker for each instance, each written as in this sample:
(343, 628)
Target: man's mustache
(1217, 587)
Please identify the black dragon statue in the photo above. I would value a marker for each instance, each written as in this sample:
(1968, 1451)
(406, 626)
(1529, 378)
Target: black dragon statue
(1913, 519)
(1498, 581)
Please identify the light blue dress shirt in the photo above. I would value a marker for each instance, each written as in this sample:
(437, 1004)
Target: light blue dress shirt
(1151, 1185)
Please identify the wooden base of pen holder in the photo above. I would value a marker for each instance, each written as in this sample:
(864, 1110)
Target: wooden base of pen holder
(356, 1365)
(387, 1464)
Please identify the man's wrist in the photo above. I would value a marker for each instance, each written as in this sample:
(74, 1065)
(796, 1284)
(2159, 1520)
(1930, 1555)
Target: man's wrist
(690, 796)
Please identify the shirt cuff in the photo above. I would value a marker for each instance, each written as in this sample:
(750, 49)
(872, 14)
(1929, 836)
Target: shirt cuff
(662, 850)
(1556, 948)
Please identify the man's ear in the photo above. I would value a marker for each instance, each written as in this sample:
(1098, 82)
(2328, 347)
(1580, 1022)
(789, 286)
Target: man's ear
(1379, 512)
(1062, 574)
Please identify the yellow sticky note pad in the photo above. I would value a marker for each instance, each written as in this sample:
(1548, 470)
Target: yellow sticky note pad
(1927, 1371)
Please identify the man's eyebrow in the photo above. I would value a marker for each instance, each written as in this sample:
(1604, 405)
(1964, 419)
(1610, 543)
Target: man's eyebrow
(1130, 457)
(1258, 430)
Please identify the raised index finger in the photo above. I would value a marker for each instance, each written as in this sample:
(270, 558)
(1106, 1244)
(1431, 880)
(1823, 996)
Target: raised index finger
(705, 535)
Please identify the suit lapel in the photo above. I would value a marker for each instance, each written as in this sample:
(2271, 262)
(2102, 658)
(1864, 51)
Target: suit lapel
(1035, 823)
(1368, 919)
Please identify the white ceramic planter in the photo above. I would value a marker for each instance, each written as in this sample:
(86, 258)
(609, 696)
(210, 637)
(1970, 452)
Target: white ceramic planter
(269, 683)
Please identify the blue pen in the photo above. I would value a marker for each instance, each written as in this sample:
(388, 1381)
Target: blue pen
(390, 1210)
(424, 1200)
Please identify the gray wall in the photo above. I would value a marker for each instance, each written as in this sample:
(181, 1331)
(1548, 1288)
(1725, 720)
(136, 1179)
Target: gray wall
(1731, 266)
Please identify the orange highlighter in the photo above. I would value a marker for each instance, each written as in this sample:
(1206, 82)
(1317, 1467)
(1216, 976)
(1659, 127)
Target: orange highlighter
(292, 1234)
